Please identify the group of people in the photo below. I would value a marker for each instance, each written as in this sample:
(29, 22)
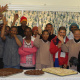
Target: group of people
(26, 48)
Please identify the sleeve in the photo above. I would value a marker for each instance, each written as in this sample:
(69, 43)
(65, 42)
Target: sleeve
(20, 38)
(22, 52)
(30, 50)
(66, 59)
(65, 47)
(53, 48)
(37, 41)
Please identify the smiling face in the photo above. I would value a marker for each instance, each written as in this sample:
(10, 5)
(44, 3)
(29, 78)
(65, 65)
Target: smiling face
(77, 34)
(73, 28)
(13, 31)
(45, 35)
(62, 33)
(7, 30)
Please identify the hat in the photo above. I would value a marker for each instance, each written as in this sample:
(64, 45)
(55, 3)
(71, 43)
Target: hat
(23, 19)
(34, 28)
(73, 24)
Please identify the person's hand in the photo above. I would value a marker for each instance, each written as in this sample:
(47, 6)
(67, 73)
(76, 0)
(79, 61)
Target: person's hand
(59, 45)
(4, 20)
(15, 17)
(65, 66)
(3, 8)
(39, 30)
(60, 38)
(1, 16)
(14, 35)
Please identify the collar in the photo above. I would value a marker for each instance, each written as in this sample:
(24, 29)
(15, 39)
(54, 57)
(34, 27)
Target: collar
(27, 43)
(10, 37)
(65, 39)
(71, 34)
(44, 42)
(77, 41)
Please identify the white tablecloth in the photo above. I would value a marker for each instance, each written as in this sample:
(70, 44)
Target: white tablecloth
(46, 76)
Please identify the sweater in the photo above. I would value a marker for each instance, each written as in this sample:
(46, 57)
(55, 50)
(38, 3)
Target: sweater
(23, 52)
(72, 47)
(43, 56)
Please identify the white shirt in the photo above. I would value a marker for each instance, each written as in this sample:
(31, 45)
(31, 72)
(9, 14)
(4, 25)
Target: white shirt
(71, 36)
(32, 38)
(63, 54)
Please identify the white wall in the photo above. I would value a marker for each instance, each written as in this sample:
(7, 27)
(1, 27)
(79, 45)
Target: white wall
(51, 5)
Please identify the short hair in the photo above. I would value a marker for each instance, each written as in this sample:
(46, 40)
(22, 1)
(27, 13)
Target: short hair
(62, 28)
(14, 27)
(8, 27)
(45, 31)
(76, 30)
(27, 28)
(49, 24)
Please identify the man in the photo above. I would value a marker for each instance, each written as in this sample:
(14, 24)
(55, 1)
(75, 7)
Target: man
(72, 27)
(2, 42)
(12, 43)
(1, 49)
(59, 57)
(23, 22)
(50, 29)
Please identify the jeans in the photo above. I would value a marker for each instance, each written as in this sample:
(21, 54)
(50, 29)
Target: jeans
(17, 66)
(56, 63)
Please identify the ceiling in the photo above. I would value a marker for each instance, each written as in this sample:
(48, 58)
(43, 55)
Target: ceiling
(61, 5)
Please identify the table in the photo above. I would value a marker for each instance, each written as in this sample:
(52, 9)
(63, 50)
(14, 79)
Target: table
(46, 76)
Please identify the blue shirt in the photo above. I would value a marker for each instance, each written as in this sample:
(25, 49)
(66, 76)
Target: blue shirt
(11, 56)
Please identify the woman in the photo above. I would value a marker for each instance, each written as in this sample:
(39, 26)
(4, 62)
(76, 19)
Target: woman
(43, 57)
(72, 46)
(34, 32)
(28, 51)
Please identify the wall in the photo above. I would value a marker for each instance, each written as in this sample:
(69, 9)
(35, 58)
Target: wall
(48, 5)
(39, 12)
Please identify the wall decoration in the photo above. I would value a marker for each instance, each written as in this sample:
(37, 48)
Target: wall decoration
(41, 18)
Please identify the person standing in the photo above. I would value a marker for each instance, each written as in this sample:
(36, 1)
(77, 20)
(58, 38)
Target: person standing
(27, 51)
(60, 58)
(50, 29)
(23, 22)
(43, 56)
(13, 41)
(73, 47)
(72, 27)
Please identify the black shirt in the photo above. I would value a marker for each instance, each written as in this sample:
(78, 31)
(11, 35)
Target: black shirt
(21, 31)
(51, 37)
